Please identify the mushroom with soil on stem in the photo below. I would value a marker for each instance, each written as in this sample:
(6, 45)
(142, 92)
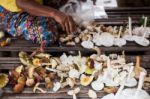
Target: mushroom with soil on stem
(138, 69)
(74, 92)
(119, 41)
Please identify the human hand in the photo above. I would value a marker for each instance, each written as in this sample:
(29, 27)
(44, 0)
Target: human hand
(67, 23)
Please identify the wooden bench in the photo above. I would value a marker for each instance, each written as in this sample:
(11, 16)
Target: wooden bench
(117, 16)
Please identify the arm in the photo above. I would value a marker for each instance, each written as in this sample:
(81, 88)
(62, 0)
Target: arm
(36, 9)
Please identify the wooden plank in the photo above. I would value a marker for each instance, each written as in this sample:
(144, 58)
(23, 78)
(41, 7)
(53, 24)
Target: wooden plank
(50, 95)
(11, 63)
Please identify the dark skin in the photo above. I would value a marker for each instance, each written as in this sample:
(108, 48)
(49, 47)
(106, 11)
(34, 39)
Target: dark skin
(31, 6)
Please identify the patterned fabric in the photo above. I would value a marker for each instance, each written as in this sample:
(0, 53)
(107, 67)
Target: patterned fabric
(37, 29)
(11, 5)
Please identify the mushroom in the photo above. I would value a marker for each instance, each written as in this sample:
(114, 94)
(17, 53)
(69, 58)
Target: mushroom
(30, 82)
(53, 62)
(69, 81)
(96, 85)
(57, 86)
(85, 80)
(3, 80)
(19, 69)
(36, 87)
(18, 88)
(136, 93)
(107, 39)
(87, 44)
(71, 43)
(48, 83)
(117, 95)
(73, 73)
(74, 92)
(141, 40)
(138, 69)
(24, 58)
(129, 36)
(92, 94)
(119, 41)
(110, 90)
(130, 82)
(43, 55)
(2, 34)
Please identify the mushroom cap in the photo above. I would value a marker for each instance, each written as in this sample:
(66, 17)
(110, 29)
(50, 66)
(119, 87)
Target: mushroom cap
(75, 91)
(129, 94)
(2, 34)
(120, 42)
(87, 44)
(92, 94)
(73, 73)
(109, 96)
(132, 82)
(86, 80)
(3, 80)
(128, 37)
(139, 40)
(96, 85)
(57, 86)
(107, 39)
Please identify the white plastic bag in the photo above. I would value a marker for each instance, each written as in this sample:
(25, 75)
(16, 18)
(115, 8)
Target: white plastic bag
(84, 12)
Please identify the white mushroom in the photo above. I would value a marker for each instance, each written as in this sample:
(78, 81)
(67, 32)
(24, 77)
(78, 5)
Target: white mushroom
(136, 93)
(1, 34)
(74, 92)
(73, 73)
(141, 40)
(97, 85)
(129, 36)
(87, 44)
(92, 94)
(119, 41)
(107, 39)
(131, 82)
(57, 86)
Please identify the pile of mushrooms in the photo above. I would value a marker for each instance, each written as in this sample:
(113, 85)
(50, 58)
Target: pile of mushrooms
(101, 72)
(99, 35)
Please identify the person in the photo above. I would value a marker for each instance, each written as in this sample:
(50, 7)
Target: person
(35, 21)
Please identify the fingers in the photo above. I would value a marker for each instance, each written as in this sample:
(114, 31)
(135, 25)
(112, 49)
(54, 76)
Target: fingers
(70, 26)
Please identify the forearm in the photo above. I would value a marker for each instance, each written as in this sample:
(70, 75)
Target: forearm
(36, 9)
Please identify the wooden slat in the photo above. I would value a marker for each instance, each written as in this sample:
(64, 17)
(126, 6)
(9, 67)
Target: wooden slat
(11, 63)
(27, 93)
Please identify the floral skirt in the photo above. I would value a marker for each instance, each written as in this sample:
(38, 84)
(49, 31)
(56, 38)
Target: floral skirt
(37, 29)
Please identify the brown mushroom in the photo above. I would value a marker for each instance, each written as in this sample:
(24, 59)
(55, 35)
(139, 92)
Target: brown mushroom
(138, 69)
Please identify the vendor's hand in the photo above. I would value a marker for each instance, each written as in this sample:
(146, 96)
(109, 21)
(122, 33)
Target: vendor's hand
(67, 23)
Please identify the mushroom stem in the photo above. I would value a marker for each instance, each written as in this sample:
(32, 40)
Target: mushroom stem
(145, 21)
(138, 62)
(120, 90)
(114, 30)
(140, 85)
(143, 37)
(36, 87)
(120, 31)
(74, 96)
(130, 26)
(97, 50)
(130, 71)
